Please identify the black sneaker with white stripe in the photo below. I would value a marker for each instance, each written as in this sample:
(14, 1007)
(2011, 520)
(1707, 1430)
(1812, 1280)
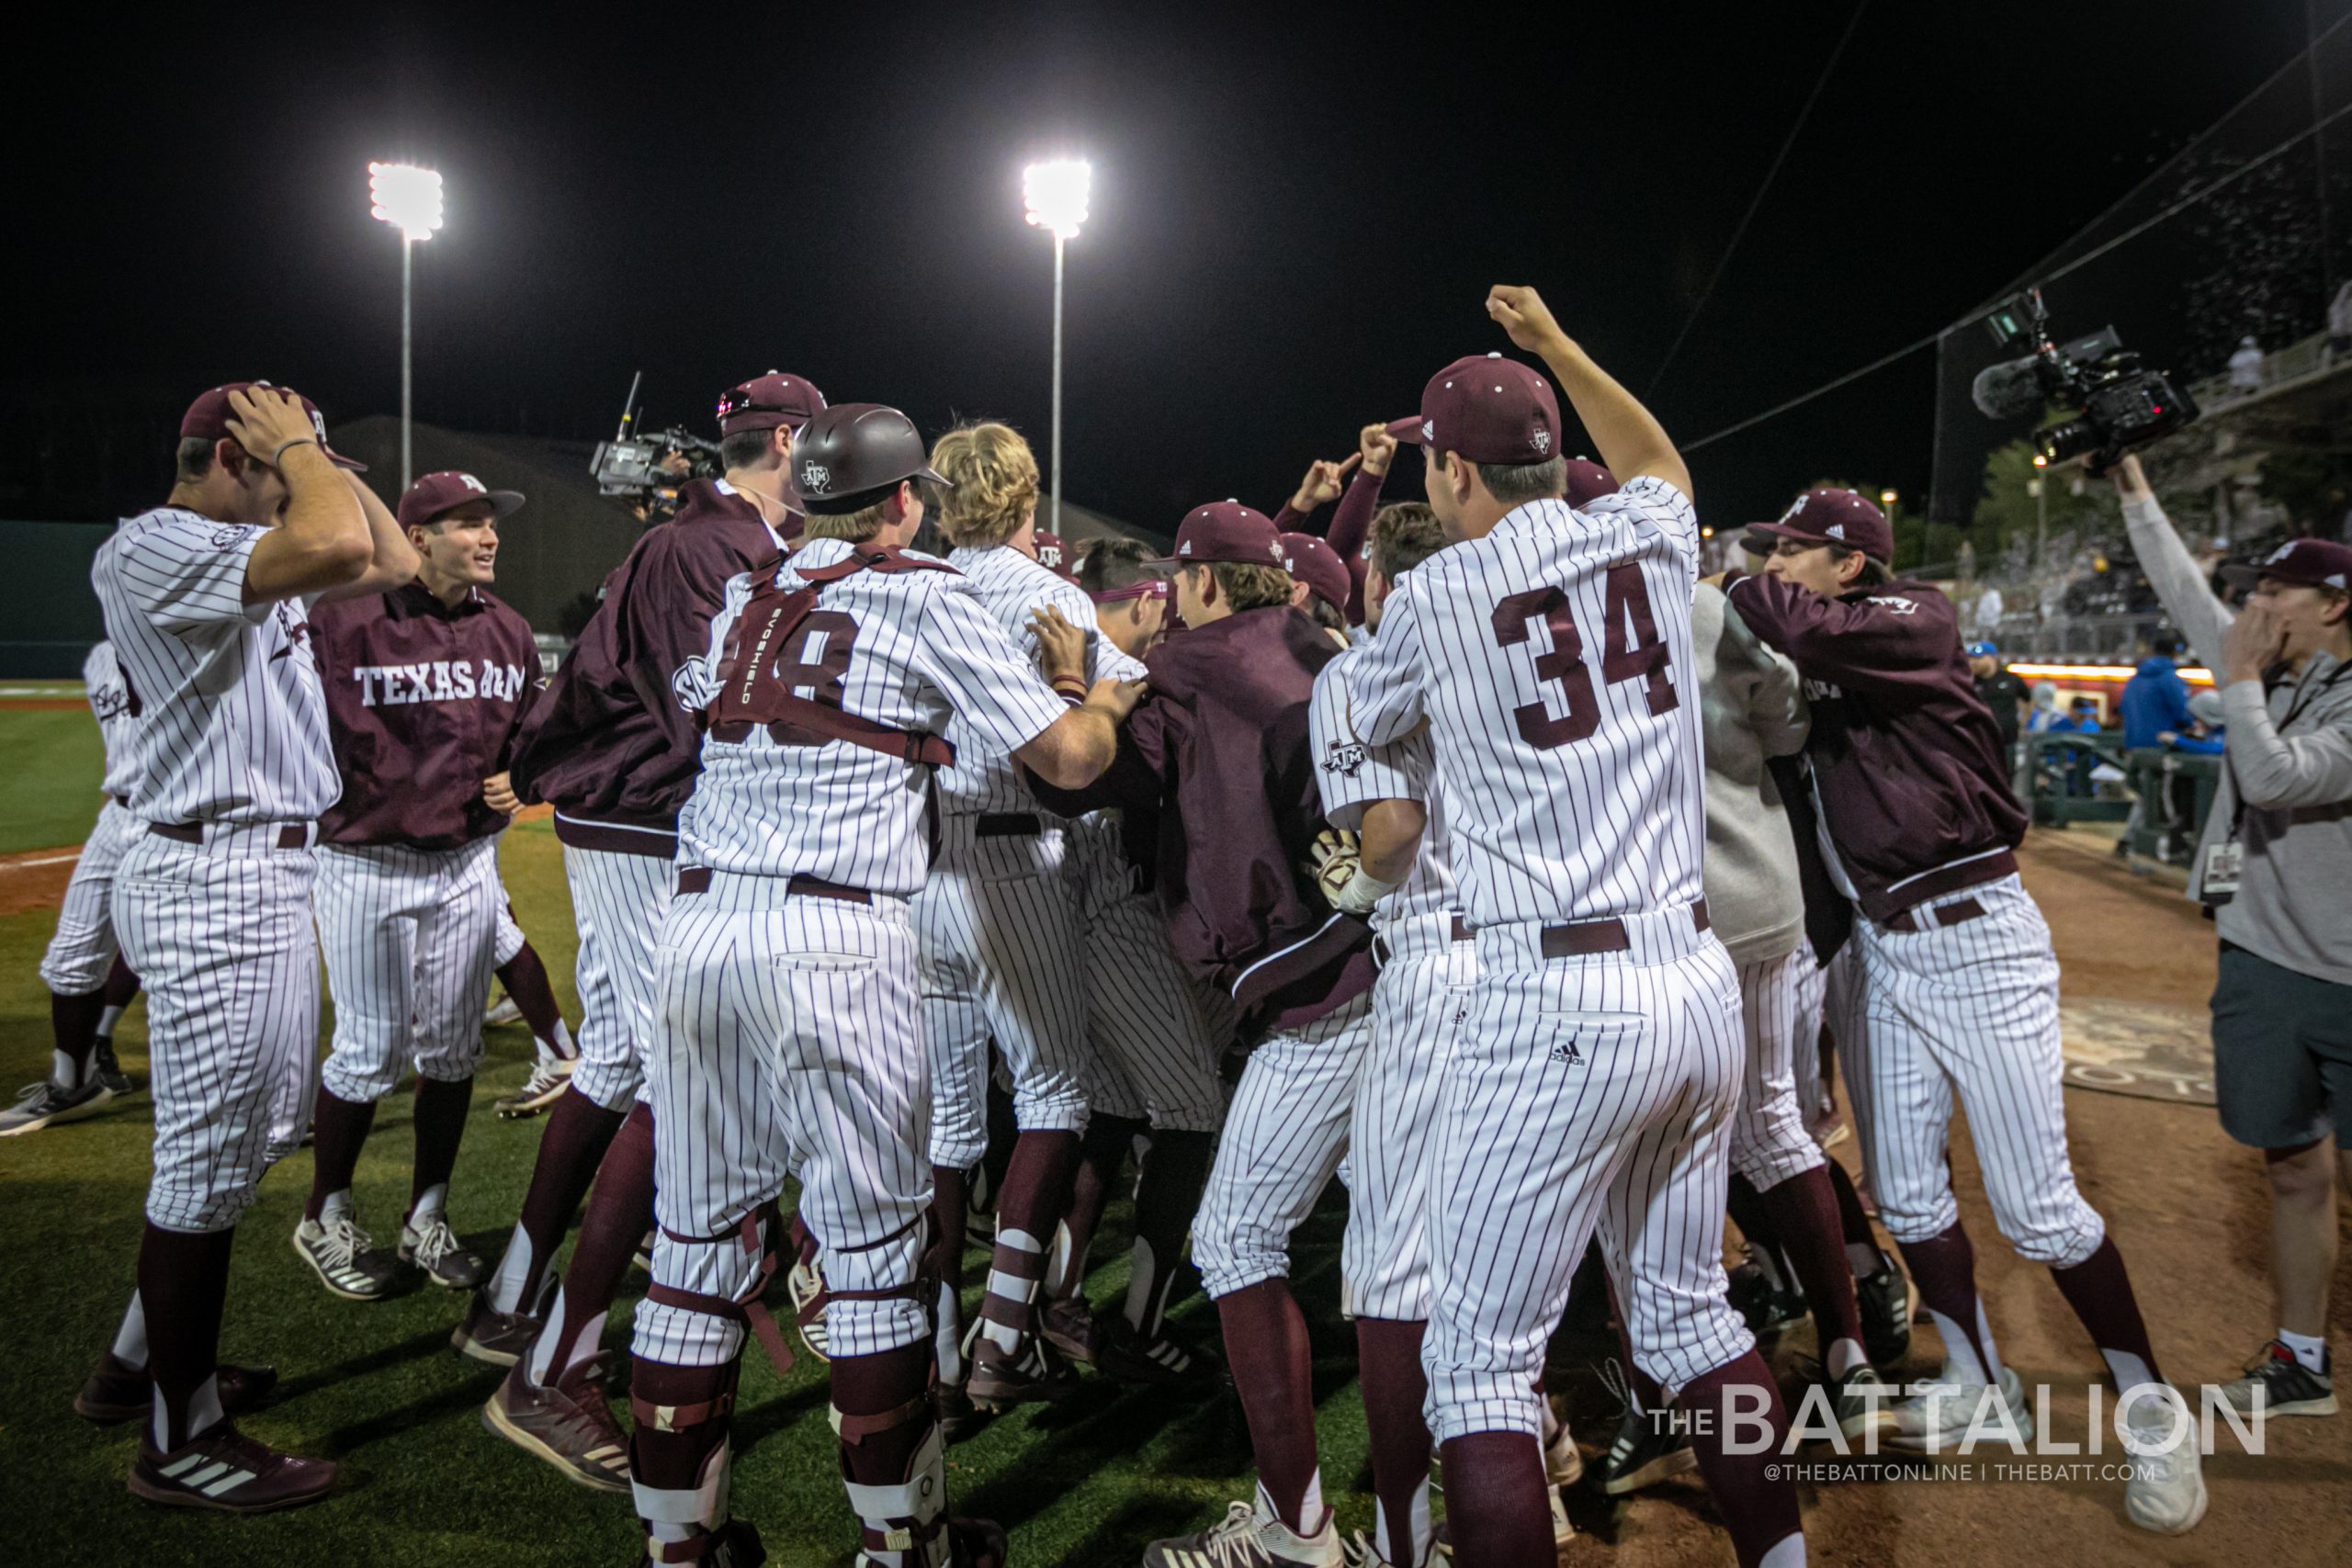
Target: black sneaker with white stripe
(1651, 1447)
(47, 1104)
(225, 1470)
(345, 1257)
(1160, 1359)
(2282, 1385)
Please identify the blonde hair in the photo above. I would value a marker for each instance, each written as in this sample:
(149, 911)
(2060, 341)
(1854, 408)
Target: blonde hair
(994, 480)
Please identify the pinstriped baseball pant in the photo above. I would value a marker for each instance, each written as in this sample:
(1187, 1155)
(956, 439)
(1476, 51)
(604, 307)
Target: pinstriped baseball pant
(409, 935)
(1285, 1136)
(789, 1039)
(83, 950)
(1973, 1009)
(510, 934)
(1768, 1141)
(1417, 1006)
(1152, 1056)
(1813, 987)
(1001, 959)
(617, 904)
(1586, 1094)
(221, 936)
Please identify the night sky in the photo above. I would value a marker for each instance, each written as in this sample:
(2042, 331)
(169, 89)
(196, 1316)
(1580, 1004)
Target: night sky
(1294, 220)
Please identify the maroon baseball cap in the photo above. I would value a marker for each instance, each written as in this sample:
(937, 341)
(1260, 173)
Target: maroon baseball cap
(208, 419)
(1488, 409)
(434, 494)
(1841, 517)
(2317, 563)
(1588, 481)
(1226, 531)
(1318, 564)
(1053, 555)
(765, 401)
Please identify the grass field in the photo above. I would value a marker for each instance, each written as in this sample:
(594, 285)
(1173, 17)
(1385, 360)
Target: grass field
(376, 1387)
(53, 764)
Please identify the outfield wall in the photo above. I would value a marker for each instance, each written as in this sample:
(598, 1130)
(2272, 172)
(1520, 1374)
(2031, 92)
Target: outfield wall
(49, 616)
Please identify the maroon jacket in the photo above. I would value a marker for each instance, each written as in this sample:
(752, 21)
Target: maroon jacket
(609, 745)
(423, 703)
(1914, 782)
(1220, 742)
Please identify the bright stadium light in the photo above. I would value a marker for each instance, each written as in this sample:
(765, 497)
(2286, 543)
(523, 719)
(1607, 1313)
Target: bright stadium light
(1055, 195)
(409, 198)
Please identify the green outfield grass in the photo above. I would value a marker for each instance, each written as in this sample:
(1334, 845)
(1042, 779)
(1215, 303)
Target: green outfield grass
(53, 765)
(376, 1387)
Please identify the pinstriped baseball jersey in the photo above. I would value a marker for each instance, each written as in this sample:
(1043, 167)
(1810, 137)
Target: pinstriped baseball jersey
(905, 649)
(1009, 586)
(232, 725)
(117, 709)
(1353, 776)
(1095, 857)
(1548, 657)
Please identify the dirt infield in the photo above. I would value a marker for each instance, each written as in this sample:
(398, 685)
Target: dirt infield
(36, 879)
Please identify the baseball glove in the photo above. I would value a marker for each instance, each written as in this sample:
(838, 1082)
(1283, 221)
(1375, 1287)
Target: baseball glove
(1332, 861)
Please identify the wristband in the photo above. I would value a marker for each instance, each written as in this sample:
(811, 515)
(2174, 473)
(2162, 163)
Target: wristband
(1066, 684)
(1363, 891)
(298, 441)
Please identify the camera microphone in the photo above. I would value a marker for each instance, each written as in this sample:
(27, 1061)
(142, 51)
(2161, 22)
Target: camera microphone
(2008, 390)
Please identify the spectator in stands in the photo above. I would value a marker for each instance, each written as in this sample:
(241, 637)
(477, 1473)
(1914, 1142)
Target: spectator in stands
(2273, 866)
(2082, 718)
(2245, 366)
(2157, 699)
(2001, 692)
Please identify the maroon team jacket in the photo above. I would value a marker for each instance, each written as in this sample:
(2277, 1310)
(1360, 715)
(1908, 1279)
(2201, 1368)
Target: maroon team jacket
(423, 702)
(1914, 784)
(1220, 746)
(608, 744)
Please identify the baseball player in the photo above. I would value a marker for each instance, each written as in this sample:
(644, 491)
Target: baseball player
(1349, 534)
(426, 686)
(1596, 1078)
(1949, 984)
(1220, 748)
(206, 599)
(1156, 1071)
(1001, 954)
(531, 997)
(1320, 584)
(611, 745)
(1052, 554)
(791, 1030)
(84, 955)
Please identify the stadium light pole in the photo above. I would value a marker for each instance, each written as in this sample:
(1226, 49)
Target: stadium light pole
(409, 198)
(2041, 488)
(1055, 195)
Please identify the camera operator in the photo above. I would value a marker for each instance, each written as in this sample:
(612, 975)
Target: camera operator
(2273, 865)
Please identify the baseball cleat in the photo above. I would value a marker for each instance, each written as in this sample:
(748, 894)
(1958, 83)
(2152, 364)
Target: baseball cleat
(345, 1257)
(434, 1248)
(502, 1010)
(1000, 1380)
(734, 1544)
(1441, 1537)
(495, 1336)
(1651, 1447)
(1938, 1421)
(227, 1471)
(1885, 1301)
(1160, 1359)
(120, 1392)
(1357, 1551)
(567, 1424)
(547, 1080)
(971, 1543)
(2283, 1385)
(1861, 1402)
(1069, 1326)
(109, 1071)
(957, 1418)
(47, 1104)
(1245, 1538)
(2165, 1490)
(1767, 1309)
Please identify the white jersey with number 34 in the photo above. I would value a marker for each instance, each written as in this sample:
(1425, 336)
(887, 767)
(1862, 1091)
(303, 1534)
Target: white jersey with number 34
(1550, 658)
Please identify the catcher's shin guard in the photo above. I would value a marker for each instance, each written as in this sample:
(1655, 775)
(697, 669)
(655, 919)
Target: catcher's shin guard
(679, 1463)
(900, 1496)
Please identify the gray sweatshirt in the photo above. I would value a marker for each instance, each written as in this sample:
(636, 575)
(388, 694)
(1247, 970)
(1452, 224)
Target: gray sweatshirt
(2294, 900)
(1751, 706)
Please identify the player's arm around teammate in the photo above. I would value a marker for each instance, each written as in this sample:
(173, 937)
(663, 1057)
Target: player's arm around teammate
(789, 1025)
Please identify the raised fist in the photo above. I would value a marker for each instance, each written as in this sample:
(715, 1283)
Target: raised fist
(1524, 316)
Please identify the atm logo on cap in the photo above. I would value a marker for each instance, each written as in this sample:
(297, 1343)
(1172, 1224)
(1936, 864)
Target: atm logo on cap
(473, 484)
(816, 477)
(1541, 440)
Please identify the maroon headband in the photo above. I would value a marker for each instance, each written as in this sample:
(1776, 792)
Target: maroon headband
(1149, 588)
